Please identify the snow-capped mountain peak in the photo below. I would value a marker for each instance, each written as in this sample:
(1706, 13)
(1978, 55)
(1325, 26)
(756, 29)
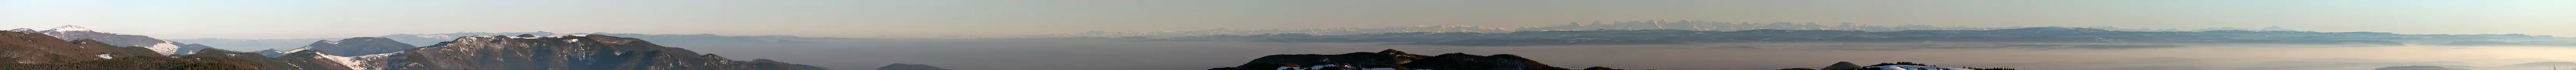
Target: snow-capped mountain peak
(69, 28)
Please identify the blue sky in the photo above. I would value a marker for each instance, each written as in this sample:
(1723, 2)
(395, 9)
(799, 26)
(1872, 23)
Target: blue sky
(273, 19)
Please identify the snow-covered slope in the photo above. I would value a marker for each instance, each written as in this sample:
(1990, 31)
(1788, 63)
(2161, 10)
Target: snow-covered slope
(368, 62)
(342, 61)
(325, 61)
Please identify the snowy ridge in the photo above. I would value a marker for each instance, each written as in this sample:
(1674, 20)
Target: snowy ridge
(292, 51)
(22, 30)
(69, 28)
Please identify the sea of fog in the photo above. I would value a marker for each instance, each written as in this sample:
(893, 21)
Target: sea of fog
(1023, 54)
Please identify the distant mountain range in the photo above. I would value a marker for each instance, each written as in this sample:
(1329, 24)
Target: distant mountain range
(562, 52)
(2071, 35)
(1595, 25)
(2521, 66)
(166, 47)
(900, 66)
(428, 39)
(38, 51)
(87, 50)
(1894, 66)
(2568, 43)
(359, 46)
(1391, 59)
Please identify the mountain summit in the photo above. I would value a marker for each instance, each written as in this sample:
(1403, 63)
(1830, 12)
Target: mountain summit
(69, 28)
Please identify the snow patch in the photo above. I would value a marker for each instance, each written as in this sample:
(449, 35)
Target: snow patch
(572, 40)
(106, 56)
(165, 47)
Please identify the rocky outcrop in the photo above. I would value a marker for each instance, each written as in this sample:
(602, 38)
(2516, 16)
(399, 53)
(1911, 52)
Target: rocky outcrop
(1391, 59)
(900, 66)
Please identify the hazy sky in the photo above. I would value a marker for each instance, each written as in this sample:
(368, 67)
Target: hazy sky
(270, 19)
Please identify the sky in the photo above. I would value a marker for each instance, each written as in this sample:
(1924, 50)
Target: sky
(280, 19)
